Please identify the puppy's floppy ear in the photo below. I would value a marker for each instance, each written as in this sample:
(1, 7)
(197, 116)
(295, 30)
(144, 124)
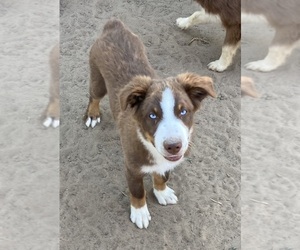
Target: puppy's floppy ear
(134, 93)
(197, 87)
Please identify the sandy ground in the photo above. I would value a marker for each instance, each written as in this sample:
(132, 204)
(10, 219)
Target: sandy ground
(29, 179)
(94, 208)
(270, 132)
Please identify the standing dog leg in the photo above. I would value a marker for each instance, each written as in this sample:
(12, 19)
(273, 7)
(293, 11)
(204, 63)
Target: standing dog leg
(139, 213)
(229, 48)
(162, 192)
(51, 114)
(231, 43)
(97, 92)
(199, 17)
(285, 40)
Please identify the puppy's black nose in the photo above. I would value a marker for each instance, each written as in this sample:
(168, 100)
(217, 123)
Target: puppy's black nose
(172, 148)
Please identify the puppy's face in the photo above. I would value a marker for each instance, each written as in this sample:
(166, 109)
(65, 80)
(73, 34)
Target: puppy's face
(164, 110)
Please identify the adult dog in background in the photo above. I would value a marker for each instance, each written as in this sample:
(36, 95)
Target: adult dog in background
(284, 16)
(154, 116)
(229, 13)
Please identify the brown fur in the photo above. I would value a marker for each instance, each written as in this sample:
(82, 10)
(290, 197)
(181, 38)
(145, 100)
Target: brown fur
(138, 202)
(120, 68)
(159, 182)
(283, 15)
(230, 15)
(109, 67)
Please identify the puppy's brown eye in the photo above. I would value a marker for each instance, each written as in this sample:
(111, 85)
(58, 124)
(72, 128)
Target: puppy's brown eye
(152, 116)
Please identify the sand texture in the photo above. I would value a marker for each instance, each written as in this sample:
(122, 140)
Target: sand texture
(29, 166)
(250, 167)
(94, 203)
(270, 132)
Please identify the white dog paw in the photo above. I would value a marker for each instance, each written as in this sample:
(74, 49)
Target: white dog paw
(55, 123)
(166, 196)
(217, 65)
(261, 65)
(49, 121)
(140, 216)
(276, 57)
(183, 23)
(92, 122)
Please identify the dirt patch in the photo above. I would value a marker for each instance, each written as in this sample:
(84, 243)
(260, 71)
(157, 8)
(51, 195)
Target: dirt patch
(94, 204)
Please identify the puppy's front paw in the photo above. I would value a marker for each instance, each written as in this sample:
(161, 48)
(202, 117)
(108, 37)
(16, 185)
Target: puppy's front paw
(140, 216)
(166, 196)
(91, 122)
(93, 113)
(217, 65)
(261, 65)
(49, 121)
(183, 23)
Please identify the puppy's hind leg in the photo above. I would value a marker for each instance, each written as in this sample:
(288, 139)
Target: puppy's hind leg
(97, 92)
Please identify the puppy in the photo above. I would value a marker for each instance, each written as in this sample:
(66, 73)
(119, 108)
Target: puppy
(51, 114)
(229, 12)
(154, 116)
(285, 18)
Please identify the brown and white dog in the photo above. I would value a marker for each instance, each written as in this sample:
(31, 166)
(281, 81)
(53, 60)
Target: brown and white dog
(154, 116)
(229, 12)
(284, 16)
(50, 116)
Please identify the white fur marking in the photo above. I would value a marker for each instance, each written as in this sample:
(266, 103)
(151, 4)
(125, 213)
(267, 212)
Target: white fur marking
(47, 122)
(228, 52)
(55, 123)
(161, 165)
(140, 216)
(275, 58)
(94, 122)
(51, 122)
(199, 17)
(253, 18)
(88, 121)
(166, 196)
(170, 129)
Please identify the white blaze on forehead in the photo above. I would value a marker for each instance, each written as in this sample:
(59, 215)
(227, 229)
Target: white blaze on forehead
(170, 128)
(167, 103)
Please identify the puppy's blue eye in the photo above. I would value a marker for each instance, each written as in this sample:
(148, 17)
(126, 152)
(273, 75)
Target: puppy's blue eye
(183, 112)
(152, 116)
